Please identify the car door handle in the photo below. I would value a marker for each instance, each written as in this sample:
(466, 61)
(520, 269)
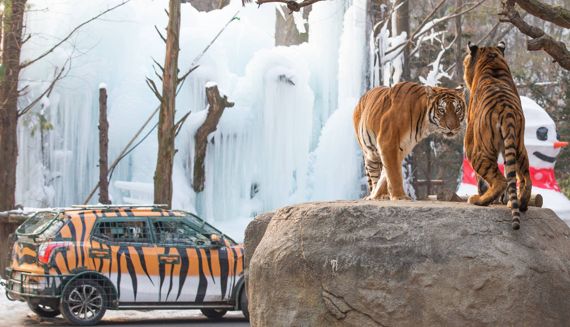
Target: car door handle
(169, 259)
(100, 253)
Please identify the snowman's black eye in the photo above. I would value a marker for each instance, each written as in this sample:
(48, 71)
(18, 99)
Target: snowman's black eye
(542, 133)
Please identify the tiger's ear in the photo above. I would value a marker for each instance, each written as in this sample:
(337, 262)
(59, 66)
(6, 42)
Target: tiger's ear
(429, 91)
(472, 48)
(501, 47)
(461, 90)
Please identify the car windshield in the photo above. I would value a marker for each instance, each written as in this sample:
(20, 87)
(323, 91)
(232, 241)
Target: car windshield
(204, 226)
(39, 223)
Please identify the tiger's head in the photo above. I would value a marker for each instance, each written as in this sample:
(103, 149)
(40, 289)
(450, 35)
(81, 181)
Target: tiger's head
(446, 109)
(482, 56)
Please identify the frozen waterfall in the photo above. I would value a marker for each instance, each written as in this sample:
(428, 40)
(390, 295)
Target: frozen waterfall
(288, 139)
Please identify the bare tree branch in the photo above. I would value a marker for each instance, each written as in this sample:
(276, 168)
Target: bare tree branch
(180, 122)
(50, 50)
(421, 30)
(152, 85)
(160, 34)
(57, 76)
(540, 40)
(554, 14)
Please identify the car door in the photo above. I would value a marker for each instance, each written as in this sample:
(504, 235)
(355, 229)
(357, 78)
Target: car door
(123, 250)
(188, 273)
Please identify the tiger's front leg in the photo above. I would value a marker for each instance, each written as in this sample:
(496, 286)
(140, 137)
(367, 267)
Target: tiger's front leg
(377, 185)
(392, 159)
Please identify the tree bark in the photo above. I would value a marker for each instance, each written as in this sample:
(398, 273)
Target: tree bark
(458, 45)
(12, 40)
(540, 40)
(217, 106)
(166, 131)
(103, 147)
(554, 14)
(403, 25)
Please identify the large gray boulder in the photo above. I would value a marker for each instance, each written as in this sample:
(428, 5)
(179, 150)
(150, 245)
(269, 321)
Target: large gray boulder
(384, 263)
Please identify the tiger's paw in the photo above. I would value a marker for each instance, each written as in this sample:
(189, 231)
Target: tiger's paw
(381, 197)
(400, 197)
(476, 200)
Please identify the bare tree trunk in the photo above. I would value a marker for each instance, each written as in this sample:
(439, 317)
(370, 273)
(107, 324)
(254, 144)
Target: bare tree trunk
(166, 130)
(103, 147)
(458, 45)
(403, 25)
(217, 106)
(12, 38)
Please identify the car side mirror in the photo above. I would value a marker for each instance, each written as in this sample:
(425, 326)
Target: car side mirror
(217, 240)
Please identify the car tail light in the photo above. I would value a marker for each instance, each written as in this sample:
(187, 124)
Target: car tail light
(47, 249)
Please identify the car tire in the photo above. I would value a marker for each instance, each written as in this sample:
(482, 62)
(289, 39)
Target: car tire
(214, 313)
(44, 311)
(243, 303)
(83, 302)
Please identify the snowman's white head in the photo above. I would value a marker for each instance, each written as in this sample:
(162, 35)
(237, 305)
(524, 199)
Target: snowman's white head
(540, 137)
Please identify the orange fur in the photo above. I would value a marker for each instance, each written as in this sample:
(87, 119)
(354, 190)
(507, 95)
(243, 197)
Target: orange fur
(495, 125)
(389, 122)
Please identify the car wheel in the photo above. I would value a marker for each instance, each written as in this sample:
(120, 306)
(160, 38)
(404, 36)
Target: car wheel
(83, 302)
(243, 303)
(44, 311)
(214, 313)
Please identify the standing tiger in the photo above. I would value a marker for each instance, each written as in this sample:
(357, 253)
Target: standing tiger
(390, 121)
(495, 125)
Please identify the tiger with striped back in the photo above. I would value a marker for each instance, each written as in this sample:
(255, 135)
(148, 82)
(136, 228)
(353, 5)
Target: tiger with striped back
(495, 125)
(390, 121)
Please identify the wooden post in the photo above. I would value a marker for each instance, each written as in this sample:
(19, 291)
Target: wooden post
(215, 111)
(428, 168)
(103, 146)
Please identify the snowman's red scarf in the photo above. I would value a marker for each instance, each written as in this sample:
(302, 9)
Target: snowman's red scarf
(541, 177)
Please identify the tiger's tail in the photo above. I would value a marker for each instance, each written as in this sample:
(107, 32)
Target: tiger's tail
(510, 154)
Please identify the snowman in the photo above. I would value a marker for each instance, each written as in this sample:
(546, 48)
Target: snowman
(542, 146)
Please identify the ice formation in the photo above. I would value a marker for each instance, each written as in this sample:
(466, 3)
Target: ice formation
(287, 139)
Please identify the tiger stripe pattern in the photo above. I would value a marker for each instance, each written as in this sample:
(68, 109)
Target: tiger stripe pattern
(136, 270)
(495, 125)
(390, 121)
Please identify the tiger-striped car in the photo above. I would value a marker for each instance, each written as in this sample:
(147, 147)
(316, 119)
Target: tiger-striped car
(82, 261)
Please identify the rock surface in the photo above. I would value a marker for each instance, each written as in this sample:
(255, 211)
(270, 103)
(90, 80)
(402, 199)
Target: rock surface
(253, 235)
(384, 263)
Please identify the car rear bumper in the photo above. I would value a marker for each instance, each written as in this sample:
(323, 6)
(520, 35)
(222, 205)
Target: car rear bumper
(23, 286)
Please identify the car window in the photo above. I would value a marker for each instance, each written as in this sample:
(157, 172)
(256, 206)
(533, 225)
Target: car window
(38, 224)
(133, 231)
(177, 232)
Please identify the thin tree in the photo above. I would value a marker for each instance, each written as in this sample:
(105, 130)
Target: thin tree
(12, 40)
(403, 25)
(166, 126)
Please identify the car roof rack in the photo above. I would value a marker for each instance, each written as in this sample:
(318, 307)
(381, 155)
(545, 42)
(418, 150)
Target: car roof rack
(112, 206)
